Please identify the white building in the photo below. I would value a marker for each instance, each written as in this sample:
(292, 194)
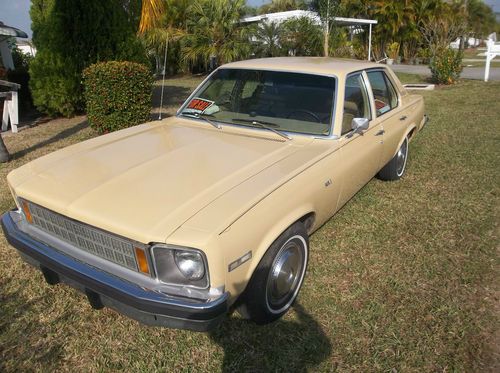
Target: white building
(354, 23)
(26, 47)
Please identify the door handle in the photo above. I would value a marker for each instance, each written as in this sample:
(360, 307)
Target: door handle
(380, 133)
(403, 117)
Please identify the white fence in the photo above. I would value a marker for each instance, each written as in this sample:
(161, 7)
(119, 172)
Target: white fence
(492, 52)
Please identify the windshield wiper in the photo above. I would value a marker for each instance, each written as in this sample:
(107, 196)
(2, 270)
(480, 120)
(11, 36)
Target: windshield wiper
(253, 120)
(204, 117)
(265, 125)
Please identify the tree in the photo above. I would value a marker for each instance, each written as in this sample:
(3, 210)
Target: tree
(214, 31)
(282, 6)
(439, 30)
(167, 33)
(301, 37)
(151, 12)
(69, 36)
(327, 10)
(480, 18)
(267, 38)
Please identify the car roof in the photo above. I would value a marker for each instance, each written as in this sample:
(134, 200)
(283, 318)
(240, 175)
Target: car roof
(311, 65)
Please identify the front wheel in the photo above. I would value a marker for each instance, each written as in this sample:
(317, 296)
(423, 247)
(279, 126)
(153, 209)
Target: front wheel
(396, 167)
(278, 278)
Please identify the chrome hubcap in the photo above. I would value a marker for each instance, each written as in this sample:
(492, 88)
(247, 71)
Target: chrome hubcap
(401, 158)
(286, 275)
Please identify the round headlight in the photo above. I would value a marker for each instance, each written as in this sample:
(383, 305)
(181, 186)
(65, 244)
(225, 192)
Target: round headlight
(190, 264)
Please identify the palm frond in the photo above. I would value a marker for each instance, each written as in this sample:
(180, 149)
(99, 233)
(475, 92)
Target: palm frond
(151, 12)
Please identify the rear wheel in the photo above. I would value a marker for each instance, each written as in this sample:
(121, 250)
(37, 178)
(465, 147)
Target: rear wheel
(276, 282)
(396, 167)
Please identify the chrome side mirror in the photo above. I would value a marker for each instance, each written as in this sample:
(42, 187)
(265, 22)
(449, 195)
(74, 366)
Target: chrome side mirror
(359, 125)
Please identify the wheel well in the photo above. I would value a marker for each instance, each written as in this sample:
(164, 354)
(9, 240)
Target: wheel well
(411, 133)
(308, 221)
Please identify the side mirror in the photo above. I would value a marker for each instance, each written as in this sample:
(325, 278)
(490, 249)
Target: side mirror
(359, 124)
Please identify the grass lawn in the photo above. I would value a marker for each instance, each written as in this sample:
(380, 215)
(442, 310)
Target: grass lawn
(404, 278)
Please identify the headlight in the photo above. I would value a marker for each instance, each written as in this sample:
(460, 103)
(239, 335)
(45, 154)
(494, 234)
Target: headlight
(180, 266)
(190, 264)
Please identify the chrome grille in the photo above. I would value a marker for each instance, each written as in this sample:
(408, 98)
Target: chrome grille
(85, 237)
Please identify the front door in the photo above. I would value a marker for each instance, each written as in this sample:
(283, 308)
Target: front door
(360, 152)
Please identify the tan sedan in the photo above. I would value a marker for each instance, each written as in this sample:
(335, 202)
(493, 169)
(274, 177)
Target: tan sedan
(174, 222)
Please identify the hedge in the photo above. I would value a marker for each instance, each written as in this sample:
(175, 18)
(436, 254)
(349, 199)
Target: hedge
(117, 95)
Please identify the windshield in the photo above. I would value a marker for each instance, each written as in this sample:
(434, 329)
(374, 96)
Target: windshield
(284, 101)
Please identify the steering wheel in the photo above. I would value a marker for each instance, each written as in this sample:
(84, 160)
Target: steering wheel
(310, 113)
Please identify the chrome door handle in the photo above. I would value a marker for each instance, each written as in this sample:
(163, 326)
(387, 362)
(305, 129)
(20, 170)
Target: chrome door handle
(403, 117)
(380, 133)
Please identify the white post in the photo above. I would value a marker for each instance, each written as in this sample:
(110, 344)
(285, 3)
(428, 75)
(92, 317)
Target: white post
(487, 67)
(13, 112)
(5, 116)
(370, 42)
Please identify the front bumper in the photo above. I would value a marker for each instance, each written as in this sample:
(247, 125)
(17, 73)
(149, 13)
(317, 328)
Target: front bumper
(106, 290)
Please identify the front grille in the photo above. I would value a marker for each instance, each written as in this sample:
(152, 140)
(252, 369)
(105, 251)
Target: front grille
(92, 240)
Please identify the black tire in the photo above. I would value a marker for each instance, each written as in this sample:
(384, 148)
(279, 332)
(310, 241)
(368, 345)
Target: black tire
(396, 167)
(263, 301)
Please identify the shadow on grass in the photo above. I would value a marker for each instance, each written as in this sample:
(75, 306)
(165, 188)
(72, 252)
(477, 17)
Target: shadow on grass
(60, 136)
(22, 336)
(294, 346)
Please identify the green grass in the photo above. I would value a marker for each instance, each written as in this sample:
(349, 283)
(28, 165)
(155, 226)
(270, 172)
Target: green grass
(403, 278)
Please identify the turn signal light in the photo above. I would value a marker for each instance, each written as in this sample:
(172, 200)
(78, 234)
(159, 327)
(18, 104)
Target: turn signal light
(27, 213)
(142, 261)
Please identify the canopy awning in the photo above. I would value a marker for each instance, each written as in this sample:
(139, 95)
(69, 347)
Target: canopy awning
(11, 31)
(313, 16)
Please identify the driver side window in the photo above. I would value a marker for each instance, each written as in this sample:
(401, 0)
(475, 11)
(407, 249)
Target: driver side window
(356, 102)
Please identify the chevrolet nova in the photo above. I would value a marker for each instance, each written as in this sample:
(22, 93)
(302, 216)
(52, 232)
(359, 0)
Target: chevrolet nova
(174, 222)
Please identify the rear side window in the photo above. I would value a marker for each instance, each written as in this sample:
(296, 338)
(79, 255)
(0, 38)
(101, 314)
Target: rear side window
(384, 93)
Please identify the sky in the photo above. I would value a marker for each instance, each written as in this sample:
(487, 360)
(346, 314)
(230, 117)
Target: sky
(16, 12)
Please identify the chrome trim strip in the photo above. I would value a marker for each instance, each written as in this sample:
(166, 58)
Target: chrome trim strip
(38, 235)
(96, 279)
(88, 238)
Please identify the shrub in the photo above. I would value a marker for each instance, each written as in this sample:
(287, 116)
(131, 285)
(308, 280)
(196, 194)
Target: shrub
(55, 84)
(446, 66)
(70, 35)
(117, 95)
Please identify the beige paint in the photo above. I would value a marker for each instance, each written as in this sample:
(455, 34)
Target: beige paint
(226, 191)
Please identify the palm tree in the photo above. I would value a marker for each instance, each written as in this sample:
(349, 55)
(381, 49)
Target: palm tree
(215, 32)
(282, 6)
(301, 37)
(151, 12)
(267, 37)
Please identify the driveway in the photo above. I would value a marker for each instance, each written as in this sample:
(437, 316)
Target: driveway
(467, 73)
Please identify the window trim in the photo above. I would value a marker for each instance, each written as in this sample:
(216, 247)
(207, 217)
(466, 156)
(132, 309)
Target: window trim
(389, 81)
(369, 94)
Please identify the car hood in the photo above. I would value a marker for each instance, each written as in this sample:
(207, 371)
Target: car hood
(145, 181)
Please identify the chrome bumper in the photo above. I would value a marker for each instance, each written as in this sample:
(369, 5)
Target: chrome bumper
(105, 290)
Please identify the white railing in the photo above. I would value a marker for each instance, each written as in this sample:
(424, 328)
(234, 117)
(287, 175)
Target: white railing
(492, 52)
(10, 106)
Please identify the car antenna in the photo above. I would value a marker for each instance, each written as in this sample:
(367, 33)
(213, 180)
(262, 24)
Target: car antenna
(163, 81)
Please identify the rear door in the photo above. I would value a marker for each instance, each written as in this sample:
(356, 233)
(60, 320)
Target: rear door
(388, 112)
